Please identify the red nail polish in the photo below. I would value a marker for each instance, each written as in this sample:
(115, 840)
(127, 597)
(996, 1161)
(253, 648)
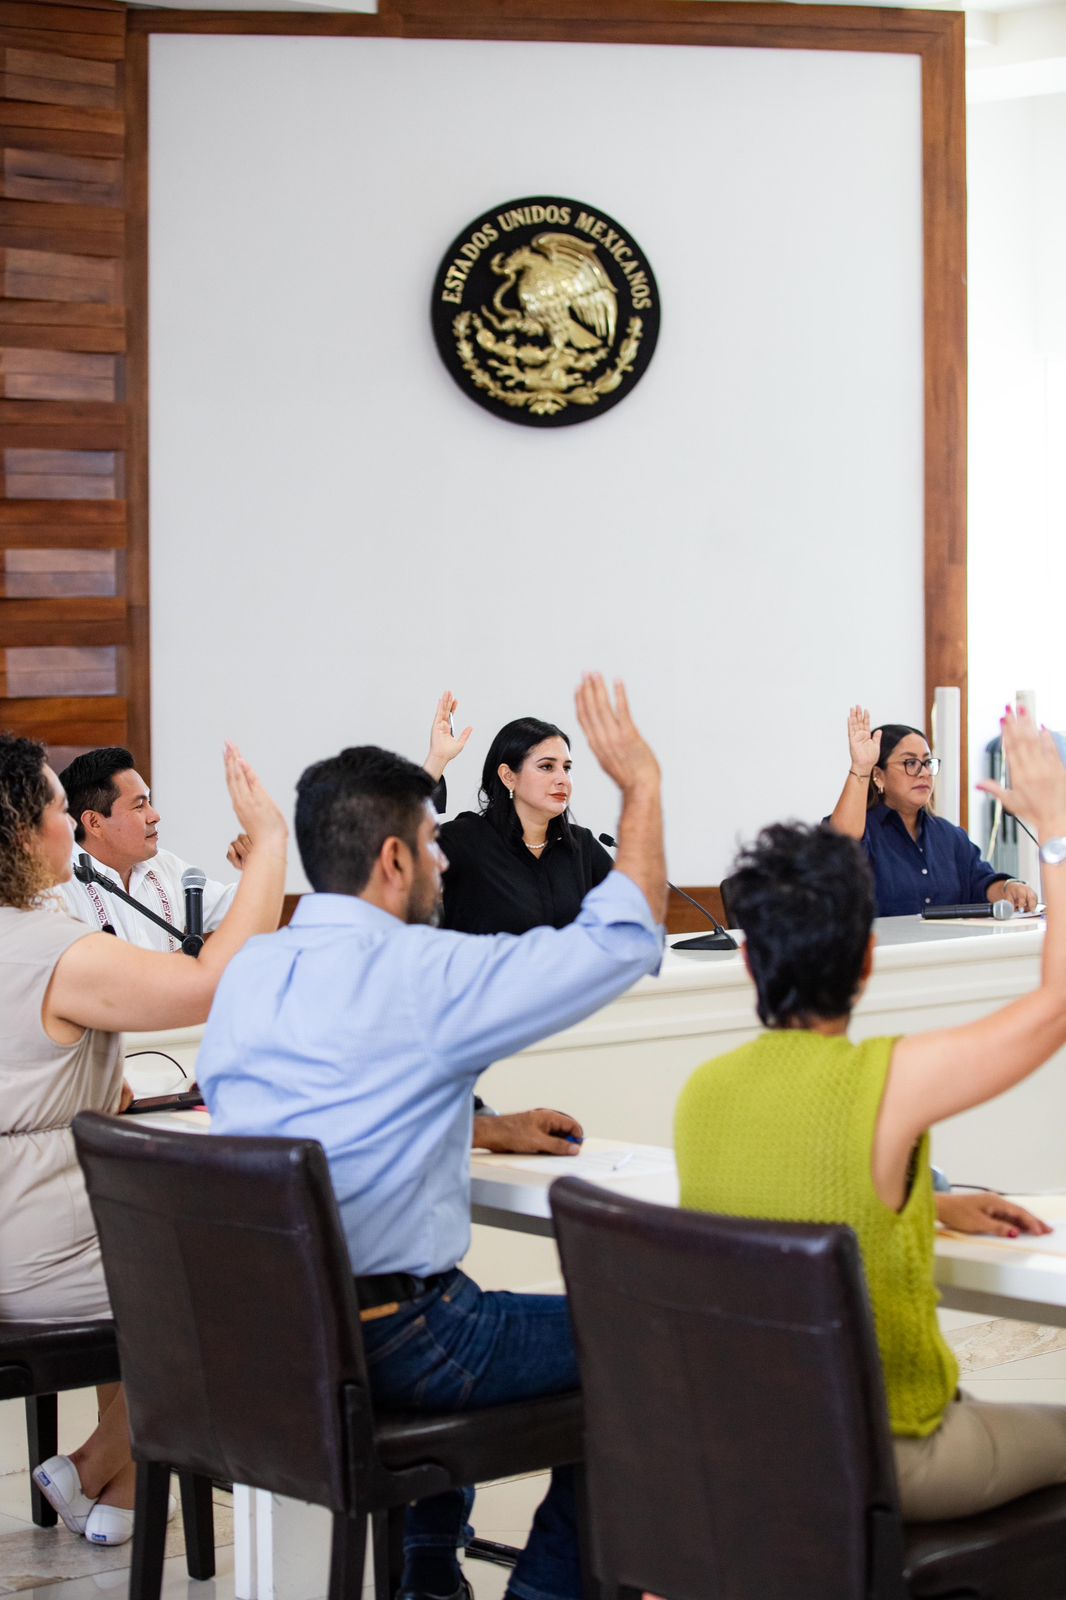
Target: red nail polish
(1013, 1234)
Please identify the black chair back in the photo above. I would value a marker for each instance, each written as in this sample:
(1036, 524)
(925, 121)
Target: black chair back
(737, 1441)
(222, 1380)
(725, 889)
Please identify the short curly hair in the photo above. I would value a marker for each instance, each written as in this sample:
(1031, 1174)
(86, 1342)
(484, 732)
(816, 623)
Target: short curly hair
(804, 897)
(24, 794)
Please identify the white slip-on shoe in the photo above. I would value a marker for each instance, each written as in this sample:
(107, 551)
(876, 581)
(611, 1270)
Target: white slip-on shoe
(58, 1480)
(114, 1524)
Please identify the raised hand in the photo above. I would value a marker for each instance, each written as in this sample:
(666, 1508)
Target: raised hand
(864, 747)
(613, 737)
(444, 746)
(255, 809)
(1037, 776)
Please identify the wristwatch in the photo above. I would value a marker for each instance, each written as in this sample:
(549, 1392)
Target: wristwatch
(1053, 852)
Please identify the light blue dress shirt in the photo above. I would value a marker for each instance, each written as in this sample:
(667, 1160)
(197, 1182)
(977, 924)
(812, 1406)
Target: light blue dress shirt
(355, 1029)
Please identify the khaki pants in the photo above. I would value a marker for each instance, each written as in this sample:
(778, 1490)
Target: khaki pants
(983, 1454)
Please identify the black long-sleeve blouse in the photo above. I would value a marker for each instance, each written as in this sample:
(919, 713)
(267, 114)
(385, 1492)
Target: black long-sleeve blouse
(494, 884)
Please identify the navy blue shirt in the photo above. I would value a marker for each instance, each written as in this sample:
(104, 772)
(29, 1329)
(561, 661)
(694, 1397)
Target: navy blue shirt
(943, 867)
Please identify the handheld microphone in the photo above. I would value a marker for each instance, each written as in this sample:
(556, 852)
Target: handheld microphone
(1000, 910)
(192, 883)
(718, 940)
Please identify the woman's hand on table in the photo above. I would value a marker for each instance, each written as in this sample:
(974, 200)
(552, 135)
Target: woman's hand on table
(540, 1132)
(864, 747)
(1021, 897)
(978, 1212)
(444, 745)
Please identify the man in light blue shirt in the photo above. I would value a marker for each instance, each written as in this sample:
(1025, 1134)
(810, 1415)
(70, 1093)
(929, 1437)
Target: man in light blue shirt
(365, 1027)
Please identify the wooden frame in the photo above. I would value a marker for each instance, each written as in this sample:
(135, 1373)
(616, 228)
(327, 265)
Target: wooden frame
(936, 37)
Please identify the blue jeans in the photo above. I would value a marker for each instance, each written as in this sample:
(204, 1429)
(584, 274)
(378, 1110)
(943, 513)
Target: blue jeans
(456, 1349)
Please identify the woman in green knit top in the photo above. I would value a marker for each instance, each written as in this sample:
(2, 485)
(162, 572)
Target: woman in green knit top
(803, 1126)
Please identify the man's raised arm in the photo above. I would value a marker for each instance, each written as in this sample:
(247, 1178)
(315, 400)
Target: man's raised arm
(625, 756)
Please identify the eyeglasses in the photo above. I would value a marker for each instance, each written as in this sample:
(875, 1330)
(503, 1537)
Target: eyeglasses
(912, 765)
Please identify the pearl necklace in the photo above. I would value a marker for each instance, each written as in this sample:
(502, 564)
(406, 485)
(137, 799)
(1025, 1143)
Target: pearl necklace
(529, 846)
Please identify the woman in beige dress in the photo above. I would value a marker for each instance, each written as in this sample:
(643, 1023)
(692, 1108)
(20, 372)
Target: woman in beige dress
(66, 992)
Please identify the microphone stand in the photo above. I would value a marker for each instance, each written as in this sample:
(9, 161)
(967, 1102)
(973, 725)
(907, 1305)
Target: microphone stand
(85, 872)
(718, 940)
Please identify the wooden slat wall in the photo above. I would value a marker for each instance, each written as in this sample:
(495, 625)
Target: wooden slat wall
(64, 601)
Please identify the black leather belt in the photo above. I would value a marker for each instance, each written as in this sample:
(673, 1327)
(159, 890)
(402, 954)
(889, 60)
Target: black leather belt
(394, 1288)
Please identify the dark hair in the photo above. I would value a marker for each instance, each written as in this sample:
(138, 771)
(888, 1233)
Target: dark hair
(804, 897)
(891, 734)
(90, 782)
(24, 794)
(510, 748)
(347, 806)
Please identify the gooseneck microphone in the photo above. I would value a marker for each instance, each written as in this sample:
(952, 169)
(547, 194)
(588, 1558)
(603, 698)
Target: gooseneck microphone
(718, 940)
(192, 884)
(1000, 910)
(85, 872)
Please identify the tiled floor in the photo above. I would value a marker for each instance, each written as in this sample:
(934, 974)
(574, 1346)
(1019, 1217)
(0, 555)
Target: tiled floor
(999, 1361)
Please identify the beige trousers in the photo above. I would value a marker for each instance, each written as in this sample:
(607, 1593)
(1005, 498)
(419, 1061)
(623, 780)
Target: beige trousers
(984, 1453)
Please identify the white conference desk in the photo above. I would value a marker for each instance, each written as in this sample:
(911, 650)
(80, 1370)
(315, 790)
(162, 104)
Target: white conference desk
(1000, 1278)
(620, 1071)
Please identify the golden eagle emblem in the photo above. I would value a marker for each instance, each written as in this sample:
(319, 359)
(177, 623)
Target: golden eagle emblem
(562, 290)
(552, 324)
(545, 311)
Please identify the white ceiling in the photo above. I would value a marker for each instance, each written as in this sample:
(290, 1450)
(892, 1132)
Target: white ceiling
(1015, 48)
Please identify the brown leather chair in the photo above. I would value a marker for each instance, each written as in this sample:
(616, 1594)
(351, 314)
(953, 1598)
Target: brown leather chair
(41, 1360)
(737, 1440)
(242, 1355)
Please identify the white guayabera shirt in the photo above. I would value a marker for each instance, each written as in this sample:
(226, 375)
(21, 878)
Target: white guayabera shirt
(157, 885)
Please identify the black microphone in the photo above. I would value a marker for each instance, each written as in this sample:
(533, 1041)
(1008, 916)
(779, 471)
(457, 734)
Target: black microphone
(718, 940)
(192, 883)
(1001, 910)
(85, 872)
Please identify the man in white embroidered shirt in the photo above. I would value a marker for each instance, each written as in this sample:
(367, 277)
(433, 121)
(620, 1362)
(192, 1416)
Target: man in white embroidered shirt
(116, 823)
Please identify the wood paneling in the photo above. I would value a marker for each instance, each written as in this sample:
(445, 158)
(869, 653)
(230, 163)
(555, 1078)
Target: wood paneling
(64, 611)
(56, 574)
(50, 275)
(34, 672)
(41, 77)
(27, 474)
(57, 375)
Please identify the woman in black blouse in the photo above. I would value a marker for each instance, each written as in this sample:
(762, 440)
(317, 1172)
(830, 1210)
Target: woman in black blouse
(520, 862)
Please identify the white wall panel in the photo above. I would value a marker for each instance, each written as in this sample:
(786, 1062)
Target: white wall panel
(337, 533)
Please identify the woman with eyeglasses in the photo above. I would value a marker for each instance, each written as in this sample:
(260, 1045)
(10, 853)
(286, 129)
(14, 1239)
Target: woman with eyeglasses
(918, 858)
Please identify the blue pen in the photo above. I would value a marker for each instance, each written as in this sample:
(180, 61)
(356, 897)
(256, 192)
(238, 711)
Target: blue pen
(571, 1138)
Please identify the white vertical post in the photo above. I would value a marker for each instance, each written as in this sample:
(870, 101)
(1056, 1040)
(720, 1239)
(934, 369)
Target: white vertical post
(245, 1579)
(947, 744)
(1028, 852)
